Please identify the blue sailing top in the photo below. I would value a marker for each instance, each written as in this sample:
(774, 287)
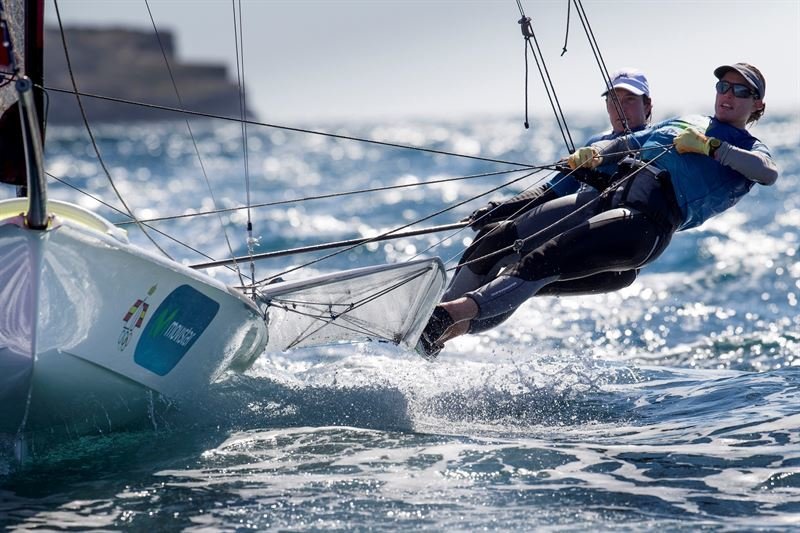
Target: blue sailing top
(703, 186)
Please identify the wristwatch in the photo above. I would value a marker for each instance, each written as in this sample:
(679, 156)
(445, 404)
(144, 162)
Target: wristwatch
(713, 145)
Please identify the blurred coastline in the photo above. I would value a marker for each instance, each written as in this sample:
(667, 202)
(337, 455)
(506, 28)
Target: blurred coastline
(133, 65)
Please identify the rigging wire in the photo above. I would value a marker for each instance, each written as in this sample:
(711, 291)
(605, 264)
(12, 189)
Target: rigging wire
(528, 33)
(519, 244)
(239, 40)
(288, 128)
(91, 134)
(191, 135)
(121, 212)
(595, 47)
(338, 194)
(428, 217)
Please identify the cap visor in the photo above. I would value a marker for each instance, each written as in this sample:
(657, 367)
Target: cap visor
(627, 87)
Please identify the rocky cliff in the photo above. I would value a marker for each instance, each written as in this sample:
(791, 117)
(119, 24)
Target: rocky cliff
(129, 64)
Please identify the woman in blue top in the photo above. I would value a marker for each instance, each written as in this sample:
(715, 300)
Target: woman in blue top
(693, 168)
(630, 109)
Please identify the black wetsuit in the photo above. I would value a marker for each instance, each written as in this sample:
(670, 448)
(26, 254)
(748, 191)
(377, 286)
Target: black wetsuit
(629, 225)
(618, 230)
(529, 228)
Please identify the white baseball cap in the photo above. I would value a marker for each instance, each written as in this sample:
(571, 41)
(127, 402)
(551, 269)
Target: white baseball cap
(630, 79)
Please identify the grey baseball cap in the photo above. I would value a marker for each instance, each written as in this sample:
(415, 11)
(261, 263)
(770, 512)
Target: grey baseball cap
(747, 72)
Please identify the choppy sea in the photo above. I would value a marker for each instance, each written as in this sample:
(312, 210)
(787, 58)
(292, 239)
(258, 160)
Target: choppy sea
(673, 404)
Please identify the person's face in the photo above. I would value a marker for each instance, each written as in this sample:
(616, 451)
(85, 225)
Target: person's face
(732, 110)
(633, 108)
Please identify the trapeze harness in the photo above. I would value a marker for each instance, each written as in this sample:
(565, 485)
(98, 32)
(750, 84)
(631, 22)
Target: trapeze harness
(622, 228)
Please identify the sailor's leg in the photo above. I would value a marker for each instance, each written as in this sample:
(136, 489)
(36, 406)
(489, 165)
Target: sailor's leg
(491, 251)
(481, 258)
(495, 310)
(505, 294)
(601, 283)
(498, 298)
(479, 325)
(620, 239)
(548, 220)
(465, 280)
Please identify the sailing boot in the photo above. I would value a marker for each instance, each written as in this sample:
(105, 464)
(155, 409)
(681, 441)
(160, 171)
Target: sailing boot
(427, 347)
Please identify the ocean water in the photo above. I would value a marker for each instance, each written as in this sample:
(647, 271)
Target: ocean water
(672, 404)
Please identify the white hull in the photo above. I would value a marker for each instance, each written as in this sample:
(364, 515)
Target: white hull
(91, 326)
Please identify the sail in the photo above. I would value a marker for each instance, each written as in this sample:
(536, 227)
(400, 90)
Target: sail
(388, 303)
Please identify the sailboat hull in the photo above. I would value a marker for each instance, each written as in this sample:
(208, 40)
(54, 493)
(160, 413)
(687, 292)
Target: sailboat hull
(92, 326)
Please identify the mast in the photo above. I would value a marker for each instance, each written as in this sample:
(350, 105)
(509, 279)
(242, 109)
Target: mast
(30, 114)
(34, 53)
(34, 155)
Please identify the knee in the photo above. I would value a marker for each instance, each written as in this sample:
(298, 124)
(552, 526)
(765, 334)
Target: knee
(487, 250)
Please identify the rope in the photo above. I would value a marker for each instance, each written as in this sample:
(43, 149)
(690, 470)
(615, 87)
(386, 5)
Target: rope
(598, 56)
(91, 135)
(521, 242)
(336, 195)
(191, 135)
(525, 25)
(309, 263)
(242, 111)
(285, 128)
(566, 33)
(528, 33)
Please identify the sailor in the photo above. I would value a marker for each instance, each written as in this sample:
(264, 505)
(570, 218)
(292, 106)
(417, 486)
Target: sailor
(630, 109)
(693, 168)
(630, 94)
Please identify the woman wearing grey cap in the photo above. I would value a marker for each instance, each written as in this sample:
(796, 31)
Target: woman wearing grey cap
(691, 169)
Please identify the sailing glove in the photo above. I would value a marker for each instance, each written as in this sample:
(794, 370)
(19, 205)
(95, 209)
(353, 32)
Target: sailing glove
(586, 157)
(481, 216)
(691, 141)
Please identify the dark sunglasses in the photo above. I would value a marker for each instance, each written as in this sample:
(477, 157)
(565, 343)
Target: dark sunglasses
(739, 90)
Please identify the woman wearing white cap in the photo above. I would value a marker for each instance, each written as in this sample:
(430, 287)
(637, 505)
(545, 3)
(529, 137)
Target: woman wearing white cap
(714, 161)
(629, 108)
